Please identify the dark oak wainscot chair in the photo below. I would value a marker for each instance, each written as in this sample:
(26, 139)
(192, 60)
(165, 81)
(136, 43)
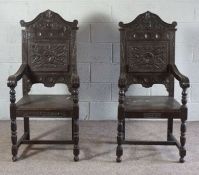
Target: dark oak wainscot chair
(48, 57)
(147, 58)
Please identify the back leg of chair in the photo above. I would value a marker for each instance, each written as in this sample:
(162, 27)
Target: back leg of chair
(27, 127)
(169, 128)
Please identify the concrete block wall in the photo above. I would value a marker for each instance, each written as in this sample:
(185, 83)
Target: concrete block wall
(98, 48)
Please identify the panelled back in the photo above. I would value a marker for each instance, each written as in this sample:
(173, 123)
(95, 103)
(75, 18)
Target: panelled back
(48, 49)
(147, 47)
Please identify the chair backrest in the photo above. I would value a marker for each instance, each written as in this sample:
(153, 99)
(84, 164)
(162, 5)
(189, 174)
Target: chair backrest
(49, 50)
(147, 47)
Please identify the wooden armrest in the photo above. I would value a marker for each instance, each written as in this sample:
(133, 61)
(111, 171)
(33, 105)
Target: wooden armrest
(12, 79)
(183, 80)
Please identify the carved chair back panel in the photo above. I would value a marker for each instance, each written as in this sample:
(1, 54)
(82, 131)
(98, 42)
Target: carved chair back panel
(147, 47)
(48, 56)
(48, 49)
(147, 56)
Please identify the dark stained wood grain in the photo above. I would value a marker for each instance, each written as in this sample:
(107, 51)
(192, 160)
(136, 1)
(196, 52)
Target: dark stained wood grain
(147, 57)
(48, 57)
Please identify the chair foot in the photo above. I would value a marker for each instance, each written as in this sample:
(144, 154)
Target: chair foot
(76, 158)
(182, 155)
(182, 160)
(118, 159)
(76, 152)
(119, 153)
(14, 158)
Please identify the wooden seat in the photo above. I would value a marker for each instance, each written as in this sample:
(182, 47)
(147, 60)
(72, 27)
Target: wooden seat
(147, 57)
(48, 103)
(151, 104)
(48, 57)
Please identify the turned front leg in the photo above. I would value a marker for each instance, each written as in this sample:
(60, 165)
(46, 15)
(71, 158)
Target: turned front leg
(120, 128)
(13, 124)
(182, 149)
(75, 124)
